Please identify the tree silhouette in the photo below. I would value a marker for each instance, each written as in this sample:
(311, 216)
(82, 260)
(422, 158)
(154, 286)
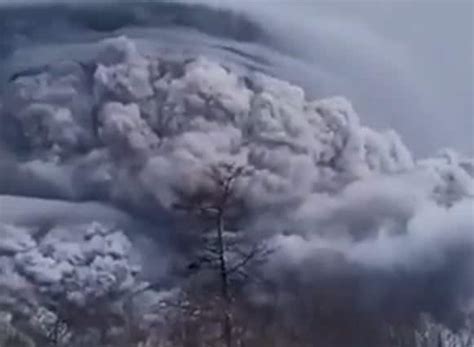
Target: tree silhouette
(220, 207)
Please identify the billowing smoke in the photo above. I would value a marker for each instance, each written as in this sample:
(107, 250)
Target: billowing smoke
(354, 219)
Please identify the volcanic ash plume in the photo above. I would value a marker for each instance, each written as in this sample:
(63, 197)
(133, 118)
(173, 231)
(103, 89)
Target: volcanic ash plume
(338, 200)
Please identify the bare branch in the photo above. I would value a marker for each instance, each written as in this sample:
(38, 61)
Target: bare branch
(258, 252)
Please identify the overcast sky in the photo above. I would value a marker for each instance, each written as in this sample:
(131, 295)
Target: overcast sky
(437, 37)
(404, 64)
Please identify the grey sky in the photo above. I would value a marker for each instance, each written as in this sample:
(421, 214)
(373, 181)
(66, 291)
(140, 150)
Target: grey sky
(404, 64)
(438, 38)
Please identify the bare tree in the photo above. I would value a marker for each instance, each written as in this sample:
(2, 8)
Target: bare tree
(220, 208)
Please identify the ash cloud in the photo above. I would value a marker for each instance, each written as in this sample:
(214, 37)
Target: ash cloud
(334, 48)
(355, 219)
(341, 203)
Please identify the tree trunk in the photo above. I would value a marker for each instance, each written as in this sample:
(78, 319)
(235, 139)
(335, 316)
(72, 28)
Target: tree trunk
(227, 322)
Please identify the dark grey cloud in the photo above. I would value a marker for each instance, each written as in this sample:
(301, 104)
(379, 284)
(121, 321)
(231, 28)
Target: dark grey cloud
(405, 65)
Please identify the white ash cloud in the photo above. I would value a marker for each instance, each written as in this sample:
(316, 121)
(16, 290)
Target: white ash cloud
(196, 116)
(79, 264)
(133, 130)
